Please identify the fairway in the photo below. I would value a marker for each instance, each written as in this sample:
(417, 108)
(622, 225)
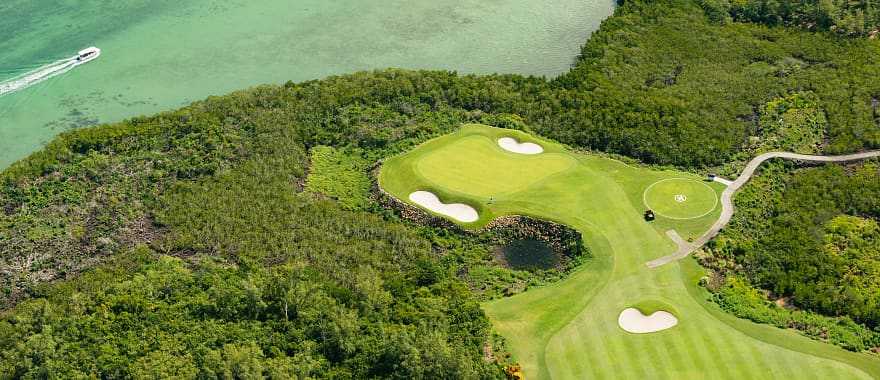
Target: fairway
(571, 329)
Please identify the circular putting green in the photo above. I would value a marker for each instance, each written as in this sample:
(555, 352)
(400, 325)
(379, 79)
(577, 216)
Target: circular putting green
(585, 314)
(680, 198)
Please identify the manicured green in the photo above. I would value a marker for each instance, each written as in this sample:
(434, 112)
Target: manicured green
(473, 165)
(469, 167)
(569, 329)
(218, 186)
(680, 198)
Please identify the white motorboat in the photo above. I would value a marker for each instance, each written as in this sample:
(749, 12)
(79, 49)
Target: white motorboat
(45, 72)
(87, 54)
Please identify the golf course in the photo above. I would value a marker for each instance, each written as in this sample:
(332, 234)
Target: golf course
(574, 328)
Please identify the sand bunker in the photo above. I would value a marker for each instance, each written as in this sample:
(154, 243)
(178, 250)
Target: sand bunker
(632, 320)
(458, 211)
(514, 146)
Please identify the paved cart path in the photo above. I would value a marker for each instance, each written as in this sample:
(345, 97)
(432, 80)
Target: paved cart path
(727, 207)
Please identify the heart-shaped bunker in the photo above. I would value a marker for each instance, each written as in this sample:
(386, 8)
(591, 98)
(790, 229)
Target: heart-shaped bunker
(511, 145)
(458, 211)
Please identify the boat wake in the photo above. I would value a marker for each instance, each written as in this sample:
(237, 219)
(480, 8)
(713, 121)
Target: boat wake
(38, 75)
(48, 71)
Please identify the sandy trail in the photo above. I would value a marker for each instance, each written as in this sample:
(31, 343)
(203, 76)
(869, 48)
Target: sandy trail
(727, 207)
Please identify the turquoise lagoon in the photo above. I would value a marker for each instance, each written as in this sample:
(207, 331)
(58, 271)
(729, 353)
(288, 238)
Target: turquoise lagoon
(160, 54)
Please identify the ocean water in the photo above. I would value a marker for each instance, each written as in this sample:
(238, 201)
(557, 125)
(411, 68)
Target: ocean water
(162, 54)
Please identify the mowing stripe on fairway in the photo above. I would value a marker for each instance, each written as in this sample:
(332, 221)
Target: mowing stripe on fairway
(569, 330)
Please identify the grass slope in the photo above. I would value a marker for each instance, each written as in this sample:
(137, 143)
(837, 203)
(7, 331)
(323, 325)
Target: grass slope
(569, 329)
(454, 164)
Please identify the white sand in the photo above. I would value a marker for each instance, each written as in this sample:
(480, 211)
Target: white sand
(458, 211)
(632, 320)
(514, 146)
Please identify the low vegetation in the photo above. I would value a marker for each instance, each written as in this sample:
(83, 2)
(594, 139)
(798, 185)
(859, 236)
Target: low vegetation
(163, 318)
(791, 123)
(235, 237)
(237, 273)
(803, 236)
(662, 83)
(739, 298)
(342, 176)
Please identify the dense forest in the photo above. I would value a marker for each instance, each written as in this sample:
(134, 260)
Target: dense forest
(855, 18)
(234, 237)
(818, 247)
(810, 239)
(212, 250)
(661, 83)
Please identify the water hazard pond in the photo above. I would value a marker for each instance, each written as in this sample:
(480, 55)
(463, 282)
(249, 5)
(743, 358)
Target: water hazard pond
(162, 54)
